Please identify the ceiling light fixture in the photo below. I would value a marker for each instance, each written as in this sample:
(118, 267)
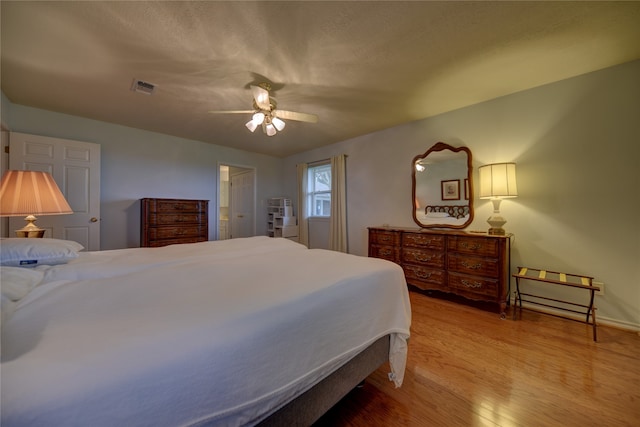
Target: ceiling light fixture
(270, 124)
(265, 112)
(270, 129)
(279, 124)
(251, 125)
(256, 120)
(264, 115)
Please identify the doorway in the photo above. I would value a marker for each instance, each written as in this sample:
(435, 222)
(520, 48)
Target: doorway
(236, 202)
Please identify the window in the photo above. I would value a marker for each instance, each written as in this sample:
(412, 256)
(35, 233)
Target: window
(319, 190)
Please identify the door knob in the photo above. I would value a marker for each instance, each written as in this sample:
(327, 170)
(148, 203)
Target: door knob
(94, 219)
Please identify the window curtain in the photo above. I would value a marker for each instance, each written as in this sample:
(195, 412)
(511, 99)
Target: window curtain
(303, 222)
(338, 222)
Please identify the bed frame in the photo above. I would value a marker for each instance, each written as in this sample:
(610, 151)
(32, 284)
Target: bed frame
(307, 408)
(455, 211)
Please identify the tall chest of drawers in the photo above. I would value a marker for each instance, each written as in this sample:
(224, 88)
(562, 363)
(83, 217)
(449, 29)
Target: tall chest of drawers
(171, 221)
(474, 266)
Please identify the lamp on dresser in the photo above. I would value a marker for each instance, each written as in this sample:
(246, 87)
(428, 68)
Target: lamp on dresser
(497, 182)
(31, 193)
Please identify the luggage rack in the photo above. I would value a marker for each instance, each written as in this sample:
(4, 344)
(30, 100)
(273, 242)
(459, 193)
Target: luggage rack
(557, 278)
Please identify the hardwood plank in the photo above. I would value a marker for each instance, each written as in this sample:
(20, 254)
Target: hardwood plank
(467, 367)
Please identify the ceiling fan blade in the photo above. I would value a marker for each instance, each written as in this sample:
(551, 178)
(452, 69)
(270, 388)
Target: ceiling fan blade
(261, 97)
(292, 115)
(232, 111)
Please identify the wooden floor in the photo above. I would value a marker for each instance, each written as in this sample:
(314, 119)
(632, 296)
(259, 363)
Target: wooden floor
(466, 367)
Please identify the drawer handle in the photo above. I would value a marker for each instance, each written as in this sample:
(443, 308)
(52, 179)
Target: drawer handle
(470, 284)
(419, 257)
(471, 266)
(385, 238)
(385, 252)
(423, 275)
(473, 246)
(421, 240)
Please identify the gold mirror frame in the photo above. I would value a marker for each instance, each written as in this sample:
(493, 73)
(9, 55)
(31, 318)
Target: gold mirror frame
(459, 210)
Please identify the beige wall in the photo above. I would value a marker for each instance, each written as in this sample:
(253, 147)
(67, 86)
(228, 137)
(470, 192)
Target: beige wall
(576, 143)
(577, 148)
(137, 164)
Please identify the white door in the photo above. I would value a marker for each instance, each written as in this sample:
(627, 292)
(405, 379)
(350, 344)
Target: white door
(242, 204)
(75, 166)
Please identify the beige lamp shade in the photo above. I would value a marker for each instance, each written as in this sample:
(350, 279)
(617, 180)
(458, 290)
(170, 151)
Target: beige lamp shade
(498, 180)
(31, 193)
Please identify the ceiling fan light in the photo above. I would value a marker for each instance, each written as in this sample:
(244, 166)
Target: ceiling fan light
(270, 129)
(261, 96)
(279, 124)
(258, 118)
(251, 125)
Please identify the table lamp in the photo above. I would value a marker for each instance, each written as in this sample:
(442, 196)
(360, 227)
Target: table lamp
(497, 182)
(31, 193)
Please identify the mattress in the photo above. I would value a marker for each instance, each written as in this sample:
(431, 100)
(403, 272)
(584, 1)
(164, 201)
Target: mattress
(222, 333)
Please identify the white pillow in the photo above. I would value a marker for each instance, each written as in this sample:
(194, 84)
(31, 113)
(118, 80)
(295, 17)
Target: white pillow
(31, 252)
(437, 214)
(17, 282)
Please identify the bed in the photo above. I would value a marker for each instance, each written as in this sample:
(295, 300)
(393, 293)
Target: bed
(443, 214)
(236, 332)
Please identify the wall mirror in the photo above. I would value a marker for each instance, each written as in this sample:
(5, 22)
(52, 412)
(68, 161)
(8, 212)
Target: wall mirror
(443, 187)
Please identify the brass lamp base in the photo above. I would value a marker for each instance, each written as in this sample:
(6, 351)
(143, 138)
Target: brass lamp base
(497, 231)
(496, 222)
(31, 229)
(30, 233)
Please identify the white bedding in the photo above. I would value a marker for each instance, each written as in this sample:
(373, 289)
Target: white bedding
(216, 332)
(444, 220)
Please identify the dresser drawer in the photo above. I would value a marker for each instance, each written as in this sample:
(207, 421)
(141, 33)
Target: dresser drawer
(384, 237)
(470, 286)
(420, 240)
(385, 252)
(427, 258)
(417, 275)
(474, 265)
(473, 245)
(175, 232)
(169, 205)
(175, 218)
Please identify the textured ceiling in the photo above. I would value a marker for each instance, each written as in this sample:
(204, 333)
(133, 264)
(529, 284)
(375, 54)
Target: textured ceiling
(360, 66)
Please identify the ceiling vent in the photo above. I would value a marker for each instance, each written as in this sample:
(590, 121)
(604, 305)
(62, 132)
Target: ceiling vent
(143, 87)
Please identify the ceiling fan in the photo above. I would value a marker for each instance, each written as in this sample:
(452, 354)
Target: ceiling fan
(266, 113)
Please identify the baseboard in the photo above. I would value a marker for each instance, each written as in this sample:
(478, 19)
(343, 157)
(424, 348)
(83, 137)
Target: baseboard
(601, 321)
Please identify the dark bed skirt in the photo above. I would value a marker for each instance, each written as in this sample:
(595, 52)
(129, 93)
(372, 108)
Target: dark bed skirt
(311, 405)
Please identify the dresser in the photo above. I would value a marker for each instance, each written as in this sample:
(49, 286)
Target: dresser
(171, 221)
(470, 265)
